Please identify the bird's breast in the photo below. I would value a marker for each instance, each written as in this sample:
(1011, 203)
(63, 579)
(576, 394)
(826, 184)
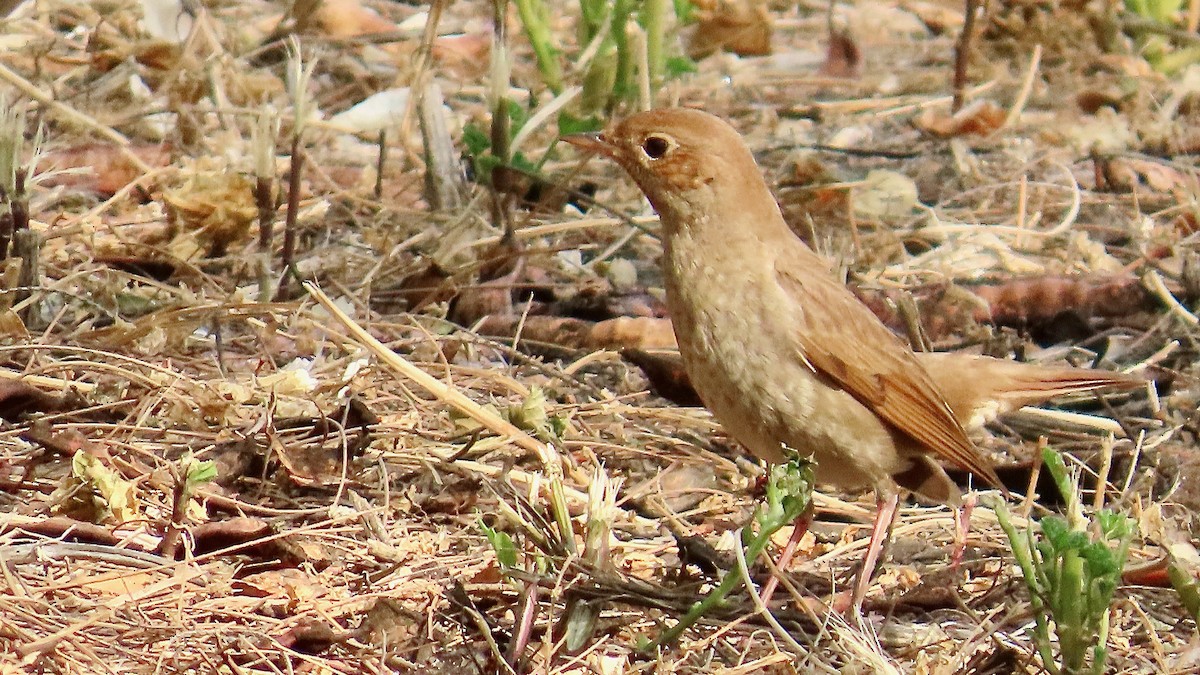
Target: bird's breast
(750, 376)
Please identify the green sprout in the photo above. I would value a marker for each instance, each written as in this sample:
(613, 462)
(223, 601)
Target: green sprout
(1154, 28)
(1071, 570)
(616, 60)
(789, 493)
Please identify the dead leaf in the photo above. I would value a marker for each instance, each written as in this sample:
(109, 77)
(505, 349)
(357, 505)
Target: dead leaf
(349, 18)
(11, 325)
(1091, 100)
(469, 52)
(389, 623)
(500, 267)
(379, 111)
(938, 18)
(294, 586)
(428, 284)
(95, 493)
(313, 453)
(1034, 304)
(214, 206)
(1123, 174)
(980, 118)
(222, 534)
(63, 529)
(64, 443)
(312, 635)
(742, 27)
(150, 268)
(843, 58)
(554, 330)
(18, 399)
(680, 487)
(102, 169)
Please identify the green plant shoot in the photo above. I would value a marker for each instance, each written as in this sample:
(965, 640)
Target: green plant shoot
(1071, 570)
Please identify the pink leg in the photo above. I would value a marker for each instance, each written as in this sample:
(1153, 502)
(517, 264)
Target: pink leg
(879, 532)
(799, 528)
(962, 523)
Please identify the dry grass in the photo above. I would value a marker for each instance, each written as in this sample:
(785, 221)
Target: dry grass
(344, 528)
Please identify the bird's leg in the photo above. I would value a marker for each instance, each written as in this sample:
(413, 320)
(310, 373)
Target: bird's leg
(962, 527)
(799, 528)
(882, 528)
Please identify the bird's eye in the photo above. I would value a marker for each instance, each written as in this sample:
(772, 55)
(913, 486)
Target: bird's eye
(655, 146)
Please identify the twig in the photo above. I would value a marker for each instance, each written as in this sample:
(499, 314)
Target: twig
(287, 257)
(1154, 283)
(1062, 417)
(744, 571)
(962, 54)
(72, 115)
(1014, 113)
(27, 245)
(51, 382)
(1136, 24)
(437, 388)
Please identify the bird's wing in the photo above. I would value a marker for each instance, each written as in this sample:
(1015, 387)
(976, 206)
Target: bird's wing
(837, 336)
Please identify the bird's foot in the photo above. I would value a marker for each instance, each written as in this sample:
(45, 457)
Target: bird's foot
(962, 527)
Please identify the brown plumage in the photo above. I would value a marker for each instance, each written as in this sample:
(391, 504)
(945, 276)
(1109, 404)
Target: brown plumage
(780, 351)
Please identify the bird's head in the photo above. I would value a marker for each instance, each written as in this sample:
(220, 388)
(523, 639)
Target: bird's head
(686, 161)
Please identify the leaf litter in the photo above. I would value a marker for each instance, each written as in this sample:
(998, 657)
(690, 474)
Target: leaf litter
(365, 521)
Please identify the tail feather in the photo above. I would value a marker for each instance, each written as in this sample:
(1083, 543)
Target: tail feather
(979, 388)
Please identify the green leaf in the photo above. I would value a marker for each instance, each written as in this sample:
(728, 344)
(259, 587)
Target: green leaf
(678, 66)
(520, 161)
(1101, 560)
(685, 11)
(1104, 589)
(570, 124)
(1185, 586)
(531, 415)
(1056, 532)
(558, 425)
(789, 490)
(1058, 471)
(643, 643)
(593, 13)
(517, 114)
(502, 544)
(1160, 11)
(484, 164)
(476, 140)
(201, 472)
(1175, 60)
(1114, 525)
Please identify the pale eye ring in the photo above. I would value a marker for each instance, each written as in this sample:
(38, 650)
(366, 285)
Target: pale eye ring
(656, 147)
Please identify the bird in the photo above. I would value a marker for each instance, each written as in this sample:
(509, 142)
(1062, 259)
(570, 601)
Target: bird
(784, 356)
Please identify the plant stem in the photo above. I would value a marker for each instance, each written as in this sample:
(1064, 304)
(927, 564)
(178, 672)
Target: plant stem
(653, 17)
(537, 29)
(789, 492)
(622, 84)
(289, 222)
(716, 597)
(1023, 553)
(962, 54)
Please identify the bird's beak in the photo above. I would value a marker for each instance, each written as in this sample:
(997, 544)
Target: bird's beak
(593, 141)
